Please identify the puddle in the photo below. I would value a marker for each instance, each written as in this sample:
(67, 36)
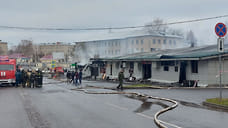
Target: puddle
(146, 105)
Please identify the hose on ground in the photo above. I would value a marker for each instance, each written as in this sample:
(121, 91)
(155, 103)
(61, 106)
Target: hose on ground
(158, 122)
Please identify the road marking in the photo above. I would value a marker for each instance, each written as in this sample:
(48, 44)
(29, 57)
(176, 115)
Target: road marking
(116, 106)
(145, 116)
(173, 125)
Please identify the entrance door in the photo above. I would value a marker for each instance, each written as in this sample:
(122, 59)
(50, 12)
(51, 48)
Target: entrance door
(146, 71)
(182, 72)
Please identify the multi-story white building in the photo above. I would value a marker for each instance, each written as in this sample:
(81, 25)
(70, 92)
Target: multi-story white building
(123, 45)
(130, 44)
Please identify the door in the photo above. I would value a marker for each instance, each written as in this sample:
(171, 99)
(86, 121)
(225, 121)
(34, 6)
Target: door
(146, 71)
(182, 76)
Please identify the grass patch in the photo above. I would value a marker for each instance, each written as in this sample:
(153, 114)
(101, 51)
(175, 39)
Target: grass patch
(217, 101)
(137, 86)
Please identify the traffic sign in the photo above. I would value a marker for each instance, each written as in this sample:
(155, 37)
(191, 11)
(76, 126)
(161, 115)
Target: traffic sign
(220, 44)
(220, 29)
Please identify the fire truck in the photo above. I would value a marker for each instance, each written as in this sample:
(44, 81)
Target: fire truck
(7, 70)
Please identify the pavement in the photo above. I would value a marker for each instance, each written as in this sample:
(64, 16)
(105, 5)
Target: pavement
(57, 105)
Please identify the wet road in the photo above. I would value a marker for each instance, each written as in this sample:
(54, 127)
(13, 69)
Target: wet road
(57, 106)
(190, 113)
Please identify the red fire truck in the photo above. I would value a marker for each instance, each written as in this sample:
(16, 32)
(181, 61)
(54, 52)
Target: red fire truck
(7, 70)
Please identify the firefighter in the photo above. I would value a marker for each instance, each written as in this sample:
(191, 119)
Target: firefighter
(32, 79)
(28, 75)
(38, 78)
(18, 77)
(120, 77)
(23, 78)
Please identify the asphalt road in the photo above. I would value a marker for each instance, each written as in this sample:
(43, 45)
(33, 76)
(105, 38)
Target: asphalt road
(57, 106)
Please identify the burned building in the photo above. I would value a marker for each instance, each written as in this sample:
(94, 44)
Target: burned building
(187, 66)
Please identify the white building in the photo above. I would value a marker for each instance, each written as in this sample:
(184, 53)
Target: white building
(186, 65)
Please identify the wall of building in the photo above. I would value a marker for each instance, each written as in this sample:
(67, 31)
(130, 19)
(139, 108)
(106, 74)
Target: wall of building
(213, 72)
(158, 73)
(3, 48)
(123, 46)
(202, 74)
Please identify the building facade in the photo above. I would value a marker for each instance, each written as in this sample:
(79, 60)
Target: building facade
(49, 48)
(187, 66)
(3, 48)
(129, 45)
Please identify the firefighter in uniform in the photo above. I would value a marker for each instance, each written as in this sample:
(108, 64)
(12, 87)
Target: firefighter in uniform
(23, 78)
(32, 79)
(28, 78)
(120, 77)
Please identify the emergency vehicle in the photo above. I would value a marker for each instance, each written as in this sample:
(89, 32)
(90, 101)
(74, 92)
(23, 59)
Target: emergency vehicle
(7, 70)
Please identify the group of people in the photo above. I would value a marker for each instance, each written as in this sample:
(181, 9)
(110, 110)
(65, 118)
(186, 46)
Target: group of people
(74, 77)
(28, 78)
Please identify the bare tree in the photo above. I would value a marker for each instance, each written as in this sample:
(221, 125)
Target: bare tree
(191, 39)
(25, 48)
(157, 25)
(177, 32)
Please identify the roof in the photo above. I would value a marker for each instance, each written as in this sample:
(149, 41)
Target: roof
(196, 53)
(125, 35)
(17, 55)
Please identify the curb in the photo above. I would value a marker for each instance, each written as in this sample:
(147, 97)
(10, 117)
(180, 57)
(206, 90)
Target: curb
(216, 106)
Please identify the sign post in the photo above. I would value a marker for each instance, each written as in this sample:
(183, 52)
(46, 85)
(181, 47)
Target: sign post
(220, 30)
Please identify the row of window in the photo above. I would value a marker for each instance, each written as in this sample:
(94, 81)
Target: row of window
(154, 41)
(137, 42)
(110, 44)
(194, 66)
(112, 52)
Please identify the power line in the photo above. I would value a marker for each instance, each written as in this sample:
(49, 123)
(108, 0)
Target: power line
(109, 28)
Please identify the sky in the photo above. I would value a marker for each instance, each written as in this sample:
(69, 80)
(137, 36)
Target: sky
(104, 13)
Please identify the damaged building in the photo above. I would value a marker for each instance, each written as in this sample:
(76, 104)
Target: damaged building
(187, 66)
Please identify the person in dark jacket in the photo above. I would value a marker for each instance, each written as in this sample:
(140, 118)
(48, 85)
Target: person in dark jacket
(120, 77)
(80, 77)
(72, 76)
(18, 77)
(23, 78)
(76, 78)
(32, 79)
(68, 75)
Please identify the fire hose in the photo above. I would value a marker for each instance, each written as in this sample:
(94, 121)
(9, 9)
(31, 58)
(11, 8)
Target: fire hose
(158, 122)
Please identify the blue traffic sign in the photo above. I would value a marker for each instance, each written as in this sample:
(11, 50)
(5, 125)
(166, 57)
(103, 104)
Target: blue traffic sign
(220, 29)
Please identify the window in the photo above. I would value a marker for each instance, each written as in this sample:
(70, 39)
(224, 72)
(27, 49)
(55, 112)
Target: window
(164, 41)
(116, 43)
(170, 42)
(141, 42)
(154, 41)
(174, 42)
(6, 67)
(132, 42)
(142, 49)
(176, 68)
(194, 65)
(159, 41)
(132, 65)
(166, 68)
(137, 42)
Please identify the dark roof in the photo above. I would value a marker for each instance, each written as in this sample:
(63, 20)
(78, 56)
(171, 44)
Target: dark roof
(173, 54)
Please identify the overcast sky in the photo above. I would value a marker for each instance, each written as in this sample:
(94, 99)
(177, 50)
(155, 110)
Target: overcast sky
(104, 13)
